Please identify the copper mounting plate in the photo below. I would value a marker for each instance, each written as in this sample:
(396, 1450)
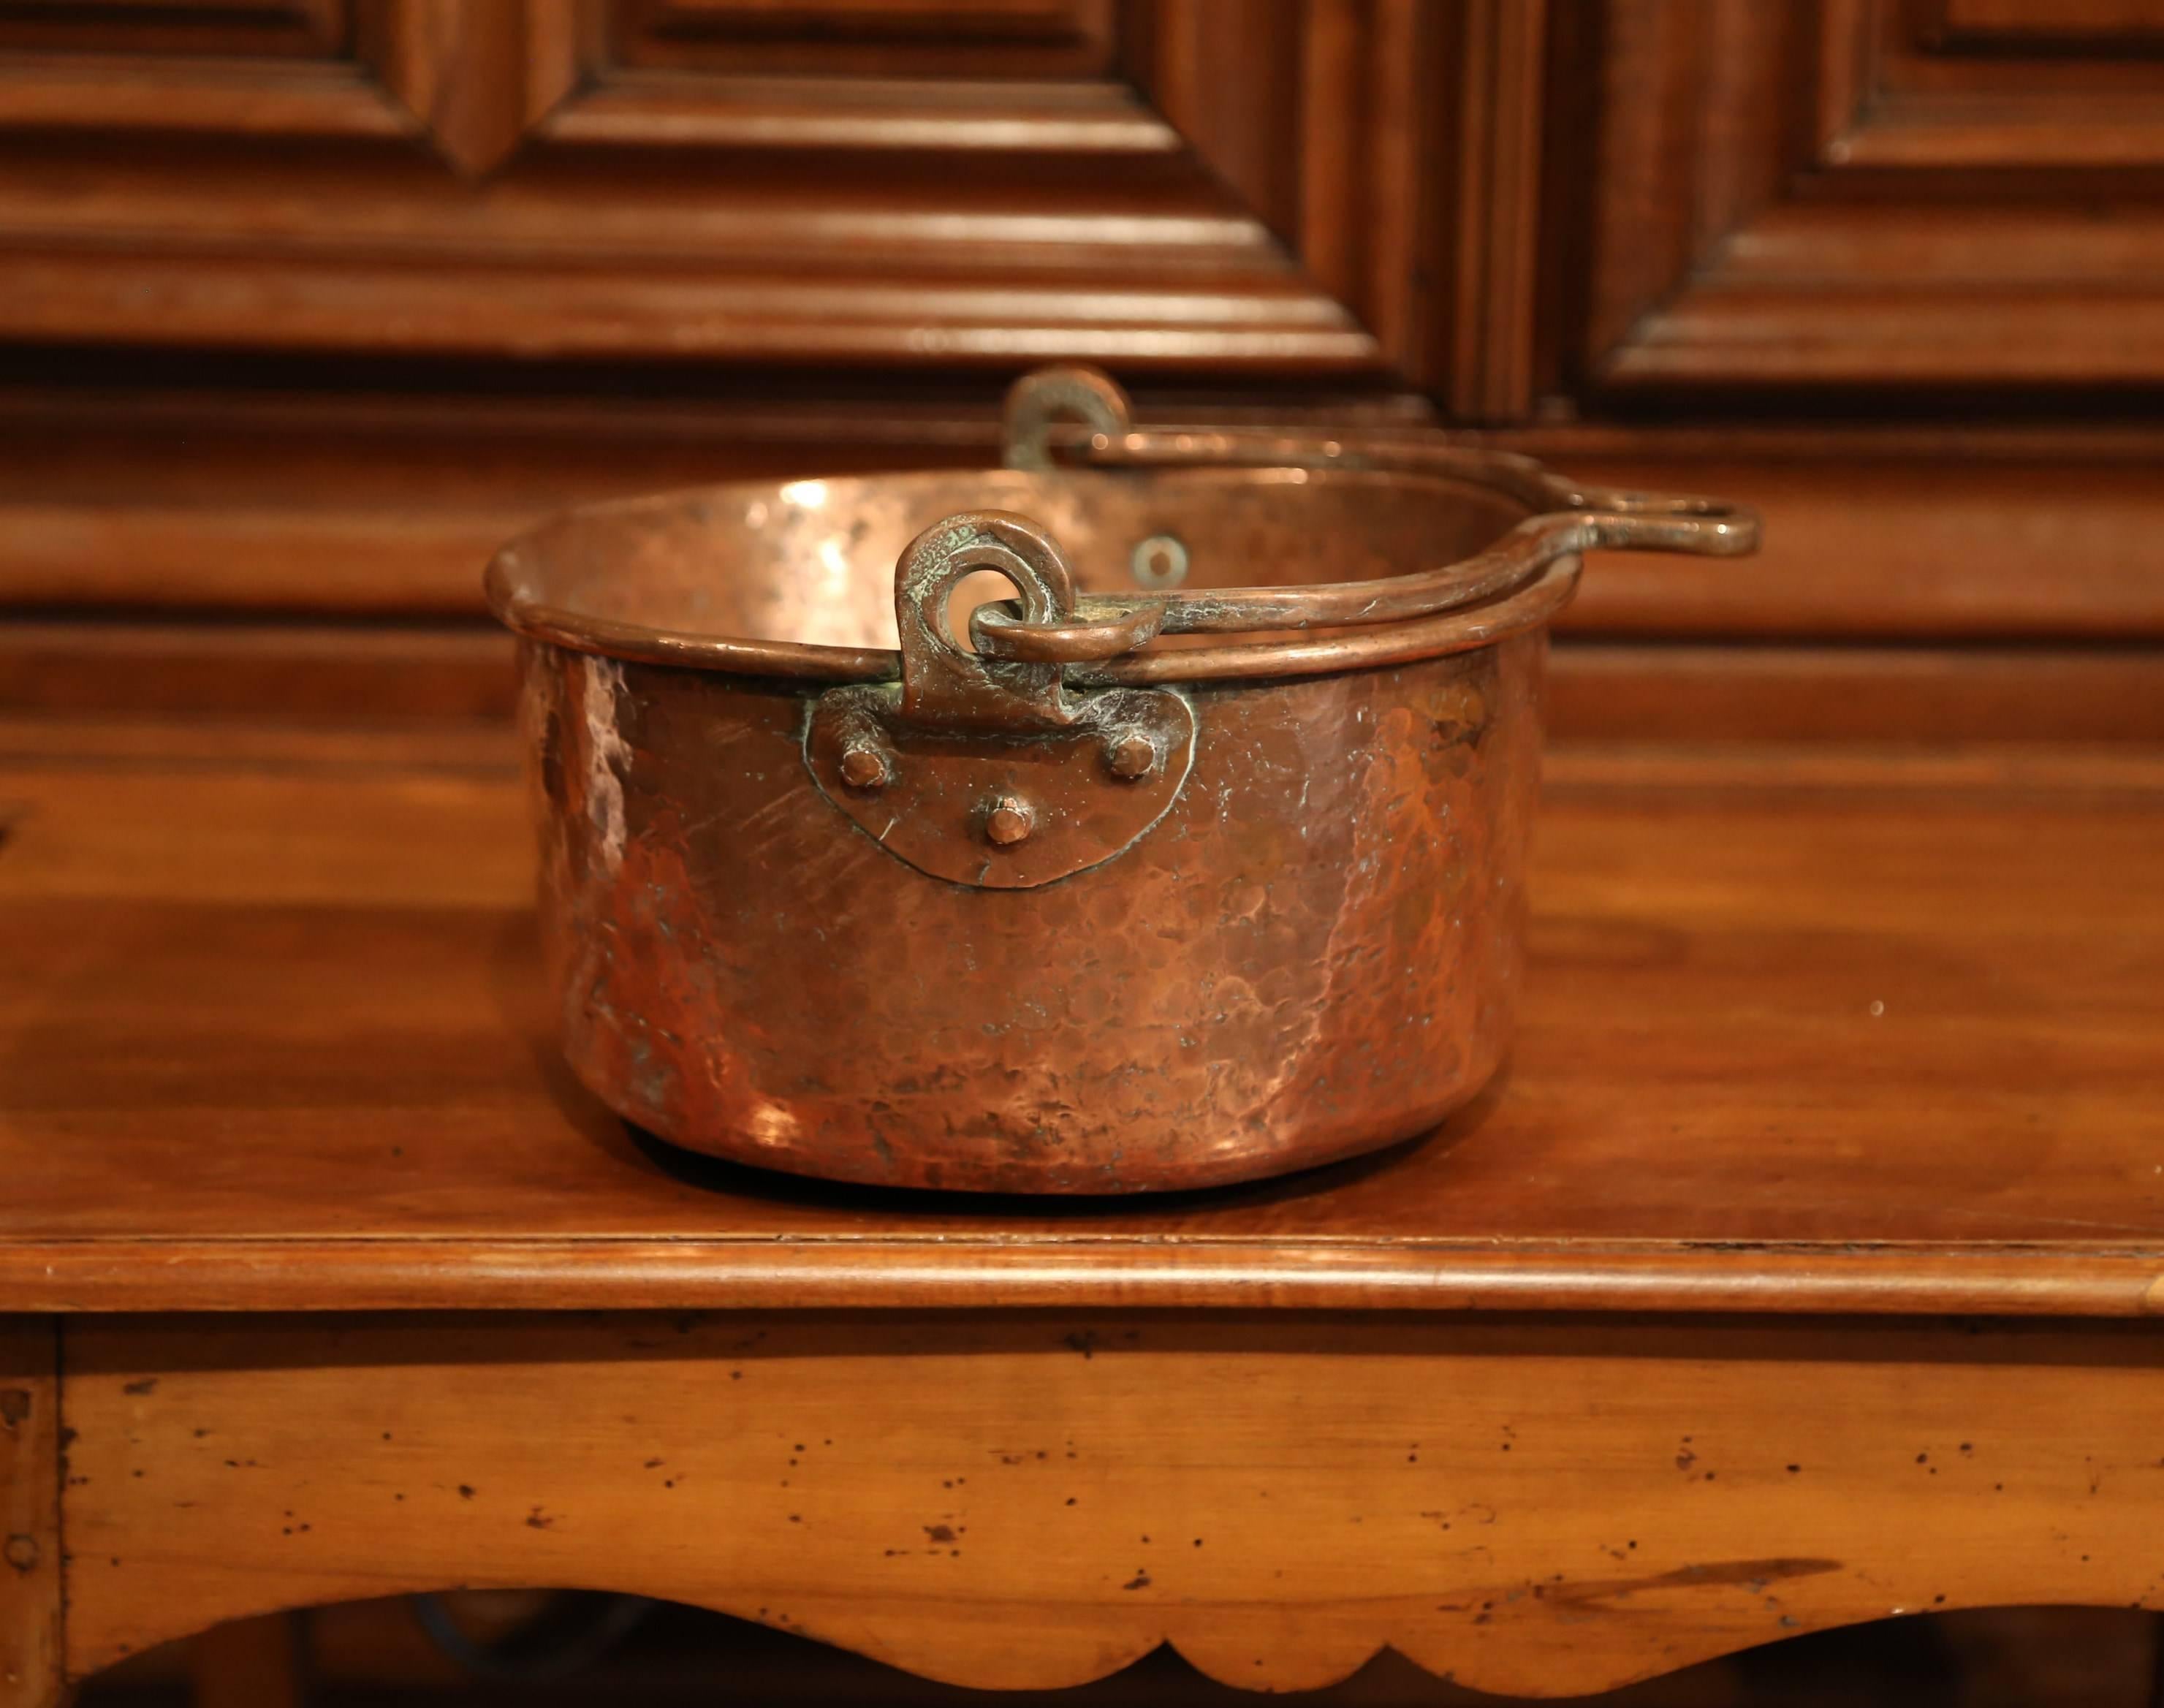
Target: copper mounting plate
(934, 807)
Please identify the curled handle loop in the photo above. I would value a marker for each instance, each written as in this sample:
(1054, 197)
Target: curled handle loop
(942, 683)
(1069, 393)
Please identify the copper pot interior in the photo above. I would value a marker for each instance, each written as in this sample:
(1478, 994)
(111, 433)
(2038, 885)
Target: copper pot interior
(811, 562)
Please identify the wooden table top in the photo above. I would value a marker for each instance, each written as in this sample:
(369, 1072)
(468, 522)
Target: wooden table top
(1801, 1032)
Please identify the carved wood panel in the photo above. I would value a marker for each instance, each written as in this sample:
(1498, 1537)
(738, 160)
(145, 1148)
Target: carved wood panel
(1480, 200)
(242, 26)
(2010, 84)
(2083, 22)
(1876, 192)
(1168, 183)
(888, 38)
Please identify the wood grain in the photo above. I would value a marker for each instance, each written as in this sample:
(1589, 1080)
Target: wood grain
(273, 1038)
(1647, 692)
(66, 96)
(2029, 85)
(299, 672)
(1495, 194)
(704, 184)
(944, 38)
(980, 186)
(330, 506)
(1035, 1498)
(249, 29)
(1956, 219)
(30, 1594)
(479, 77)
(2028, 545)
(1886, 534)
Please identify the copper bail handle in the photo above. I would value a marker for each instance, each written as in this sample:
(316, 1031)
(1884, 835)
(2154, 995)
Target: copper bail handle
(1628, 521)
(1074, 393)
(1568, 519)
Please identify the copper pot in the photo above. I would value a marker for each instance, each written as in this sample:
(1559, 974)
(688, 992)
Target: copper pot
(1206, 861)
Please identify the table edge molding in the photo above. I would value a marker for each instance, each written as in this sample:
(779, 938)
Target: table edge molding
(108, 1274)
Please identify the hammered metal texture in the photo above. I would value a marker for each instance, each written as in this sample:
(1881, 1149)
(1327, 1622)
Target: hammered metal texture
(1315, 951)
(921, 937)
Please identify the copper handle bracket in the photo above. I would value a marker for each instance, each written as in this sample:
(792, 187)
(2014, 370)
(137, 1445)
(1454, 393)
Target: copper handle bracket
(1072, 392)
(992, 772)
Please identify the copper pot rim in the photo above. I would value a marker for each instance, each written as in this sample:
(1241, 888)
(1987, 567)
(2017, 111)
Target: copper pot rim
(1540, 581)
(1517, 584)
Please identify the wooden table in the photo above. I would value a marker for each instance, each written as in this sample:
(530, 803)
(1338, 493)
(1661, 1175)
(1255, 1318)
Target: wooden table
(1805, 1268)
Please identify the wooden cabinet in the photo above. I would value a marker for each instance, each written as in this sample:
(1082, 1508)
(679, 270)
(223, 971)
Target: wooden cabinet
(1198, 186)
(304, 303)
(1880, 193)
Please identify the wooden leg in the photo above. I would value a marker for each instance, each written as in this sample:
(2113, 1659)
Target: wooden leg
(30, 1646)
(248, 1663)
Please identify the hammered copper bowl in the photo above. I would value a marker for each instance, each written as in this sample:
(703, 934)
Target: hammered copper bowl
(1207, 863)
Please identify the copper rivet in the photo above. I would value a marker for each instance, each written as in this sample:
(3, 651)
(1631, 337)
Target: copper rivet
(863, 767)
(1011, 820)
(1131, 756)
